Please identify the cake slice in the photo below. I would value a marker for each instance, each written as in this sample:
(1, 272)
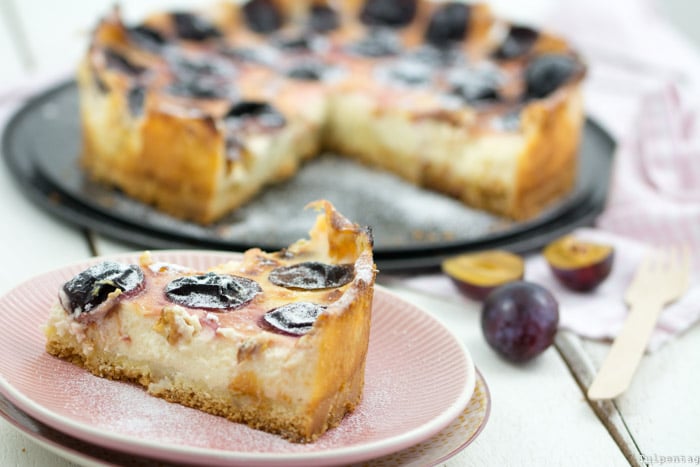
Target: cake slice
(274, 340)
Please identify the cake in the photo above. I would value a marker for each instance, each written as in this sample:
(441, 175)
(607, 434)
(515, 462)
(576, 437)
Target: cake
(196, 112)
(277, 341)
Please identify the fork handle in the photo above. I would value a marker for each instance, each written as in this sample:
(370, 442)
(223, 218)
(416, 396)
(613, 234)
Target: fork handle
(622, 361)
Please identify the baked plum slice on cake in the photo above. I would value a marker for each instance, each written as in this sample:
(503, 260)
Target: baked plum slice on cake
(277, 341)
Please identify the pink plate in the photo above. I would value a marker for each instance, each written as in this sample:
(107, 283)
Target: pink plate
(419, 379)
(451, 440)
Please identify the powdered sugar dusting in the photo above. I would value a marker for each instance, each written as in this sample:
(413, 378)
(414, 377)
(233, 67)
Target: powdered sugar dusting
(400, 213)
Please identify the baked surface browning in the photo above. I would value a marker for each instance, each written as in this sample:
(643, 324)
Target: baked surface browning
(228, 364)
(489, 140)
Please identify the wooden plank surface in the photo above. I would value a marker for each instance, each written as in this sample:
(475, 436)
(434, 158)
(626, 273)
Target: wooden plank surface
(661, 408)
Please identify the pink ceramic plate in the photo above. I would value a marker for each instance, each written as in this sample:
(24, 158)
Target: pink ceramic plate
(439, 448)
(419, 379)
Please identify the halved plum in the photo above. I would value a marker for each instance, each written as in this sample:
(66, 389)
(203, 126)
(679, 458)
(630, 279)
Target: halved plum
(477, 274)
(578, 264)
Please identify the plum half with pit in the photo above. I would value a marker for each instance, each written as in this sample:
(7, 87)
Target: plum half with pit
(578, 264)
(519, 320)
(477, 274)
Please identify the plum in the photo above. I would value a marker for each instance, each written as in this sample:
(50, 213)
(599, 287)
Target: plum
(260, 113)
(91, 293)
(546, 73)
(579, 265)
(519, 320)
(323, 18)
(307, 70)
(517, 43)
(298, 42)
(410, 72)
(135, 98)
(449, 24)
(294, 318)
(475, 85)
(217, 292)
(377, 43)
(262, 16)
(477, 274)
(312, 275)
(192, 27)
(116, 61)
(146, 37)
(389, 13)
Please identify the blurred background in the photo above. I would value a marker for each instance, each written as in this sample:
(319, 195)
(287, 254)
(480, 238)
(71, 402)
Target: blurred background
(40, 36)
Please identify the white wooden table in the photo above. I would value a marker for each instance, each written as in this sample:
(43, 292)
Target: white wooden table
(540, 415)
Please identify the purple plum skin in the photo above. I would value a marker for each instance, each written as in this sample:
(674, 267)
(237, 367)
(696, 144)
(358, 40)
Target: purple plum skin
(519, 320)
(473, 291)
(586, 278)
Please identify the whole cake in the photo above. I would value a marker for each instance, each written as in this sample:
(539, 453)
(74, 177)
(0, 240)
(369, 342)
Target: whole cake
(195, 112)
(274, 340)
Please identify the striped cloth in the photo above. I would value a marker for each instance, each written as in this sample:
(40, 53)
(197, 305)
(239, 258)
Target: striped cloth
(655, 194)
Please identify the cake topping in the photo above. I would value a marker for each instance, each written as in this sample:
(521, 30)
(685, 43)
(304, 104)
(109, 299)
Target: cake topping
(437, 56)
(410, 72)
(262, 16)
(546, 73)
(204, 77)
(296, 42)
(307, 70)
(449, 24)
(323, 18)
(379, 42)
(200, 88)
(220, 292)
(294, 318)
(135, 99)
(146, 37)
(475, 85)
(312, 275)
(193, 27)
(262, 55)
(192, 66)
(517, 43)
(92, 291)
(117, 61)
(392, 13)
(260, 113)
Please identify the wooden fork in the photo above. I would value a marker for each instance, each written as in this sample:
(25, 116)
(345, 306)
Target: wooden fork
(661, 279)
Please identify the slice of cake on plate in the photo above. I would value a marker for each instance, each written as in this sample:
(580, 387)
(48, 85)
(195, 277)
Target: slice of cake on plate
(274, 340)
